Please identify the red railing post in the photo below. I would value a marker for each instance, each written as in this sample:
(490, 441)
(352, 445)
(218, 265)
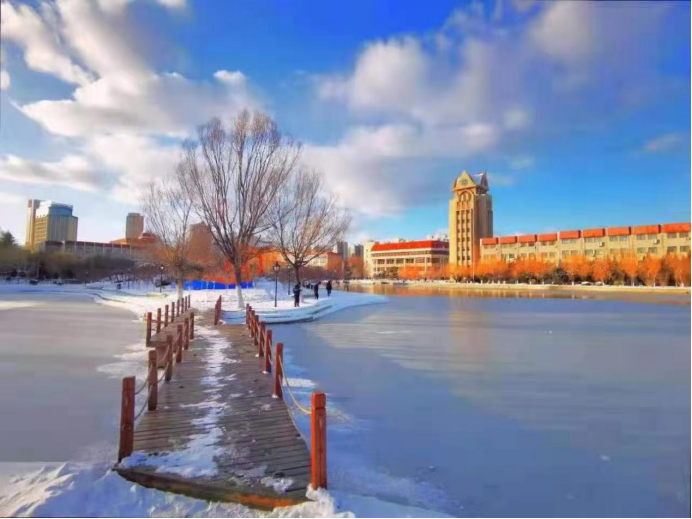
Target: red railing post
(165, 319)
(169, 358)
(153, 382)
(192, 325)
(158, 320)
(187, 333)
(179, 346)
(127, 418)
(318, 432)
(247, 314)
(278, 372)
(262, 338)
(148, 338)
(268, 351)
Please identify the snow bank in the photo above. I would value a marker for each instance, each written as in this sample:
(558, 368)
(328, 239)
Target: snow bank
(93, 490)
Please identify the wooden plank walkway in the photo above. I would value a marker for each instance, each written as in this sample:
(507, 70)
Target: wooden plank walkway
(218, 411)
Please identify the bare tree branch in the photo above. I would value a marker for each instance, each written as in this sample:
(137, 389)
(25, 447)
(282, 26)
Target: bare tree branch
(306, 221)
(233, 177)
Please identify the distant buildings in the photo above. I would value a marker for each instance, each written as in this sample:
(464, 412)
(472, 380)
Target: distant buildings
(470, 218)
(87, 249)
(134, 226)
(342, 249)
(653, 240)
(356, 250)
(49, 221)
(421, 258)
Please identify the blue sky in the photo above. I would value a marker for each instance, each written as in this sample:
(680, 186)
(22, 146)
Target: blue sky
(578, 110)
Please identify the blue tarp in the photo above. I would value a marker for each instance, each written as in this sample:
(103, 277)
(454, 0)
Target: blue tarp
(212, 285)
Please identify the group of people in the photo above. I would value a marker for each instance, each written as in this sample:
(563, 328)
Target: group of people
(315, 287)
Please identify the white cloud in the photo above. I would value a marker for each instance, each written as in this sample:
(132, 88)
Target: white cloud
(122, 107)
(475, 88)
(667, 142)
(44, 50)
(72, 171)
(4, 79)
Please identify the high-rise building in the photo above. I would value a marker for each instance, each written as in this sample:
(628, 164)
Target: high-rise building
(134, 226)
(470, 218)
(356, 250)
(49, 221)
(342, 248)
(30, 222)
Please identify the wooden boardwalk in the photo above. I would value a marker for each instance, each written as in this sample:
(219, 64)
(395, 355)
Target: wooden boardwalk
(219, 407)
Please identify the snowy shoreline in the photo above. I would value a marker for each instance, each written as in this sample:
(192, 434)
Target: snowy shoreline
(91, 488)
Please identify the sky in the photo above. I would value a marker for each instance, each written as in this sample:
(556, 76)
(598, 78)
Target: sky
(578, 111)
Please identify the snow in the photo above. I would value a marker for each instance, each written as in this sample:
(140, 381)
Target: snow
(91, 488)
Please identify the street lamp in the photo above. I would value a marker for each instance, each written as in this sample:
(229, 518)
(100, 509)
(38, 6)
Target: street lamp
(161, 280)
(277, 267)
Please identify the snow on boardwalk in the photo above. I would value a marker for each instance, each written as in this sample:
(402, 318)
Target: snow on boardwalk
(218, 433)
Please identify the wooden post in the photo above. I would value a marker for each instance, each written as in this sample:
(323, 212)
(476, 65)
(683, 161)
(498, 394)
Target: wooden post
(318, 432)
(148, 339)
(127, 418)
(187, 333)
(247, 314)
(179, 346)
(165, 319)
(278, 372)
(169, 358)
(153, 382)
(261, 339)
(192, 325)
(268, 352)
(158, 320)
(173, 312)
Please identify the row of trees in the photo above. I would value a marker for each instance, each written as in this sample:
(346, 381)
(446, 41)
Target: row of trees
(626, 269)
(247, 185)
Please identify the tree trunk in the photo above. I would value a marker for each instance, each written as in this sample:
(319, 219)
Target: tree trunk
(297, 271)
(179, 283)
(238, 272)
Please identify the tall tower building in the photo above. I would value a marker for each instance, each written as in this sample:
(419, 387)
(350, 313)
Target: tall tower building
(50, 221)
(470, 218)
(32, 205)
(342, 248)
(134, 226)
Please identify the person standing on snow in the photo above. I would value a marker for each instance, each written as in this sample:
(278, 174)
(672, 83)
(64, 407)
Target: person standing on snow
(316, 288)
(296, 295)
(329, 288)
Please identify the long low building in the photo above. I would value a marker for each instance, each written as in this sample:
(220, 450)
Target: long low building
(86, 249)
(384, 258)
(655, 240)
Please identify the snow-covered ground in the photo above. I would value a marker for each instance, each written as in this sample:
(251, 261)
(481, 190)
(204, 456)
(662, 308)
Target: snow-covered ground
(90, 488)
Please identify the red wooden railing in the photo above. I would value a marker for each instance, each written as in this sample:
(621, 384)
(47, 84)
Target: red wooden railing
(318, 412)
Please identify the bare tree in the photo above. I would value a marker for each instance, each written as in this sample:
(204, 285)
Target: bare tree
(306, 221)
(233, 177)
(168, 212)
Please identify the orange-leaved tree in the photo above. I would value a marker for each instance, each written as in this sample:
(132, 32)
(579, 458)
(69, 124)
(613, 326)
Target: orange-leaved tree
(600, 269)
(630, 266)
(649, 269)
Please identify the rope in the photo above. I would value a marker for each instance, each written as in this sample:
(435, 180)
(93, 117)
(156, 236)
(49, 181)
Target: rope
(290, 392)
(142, 387)
(142, 409)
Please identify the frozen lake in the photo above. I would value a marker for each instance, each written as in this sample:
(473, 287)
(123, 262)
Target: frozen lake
(59, 395)
(506, 406)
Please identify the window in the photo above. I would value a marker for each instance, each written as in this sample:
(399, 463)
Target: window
(672, 235)
(671, 250)
(590, 252)
(641, 250)
(569, 241)
(653, 250)
(641, 237)
(684, 248)
(652, 236)
(683, 235)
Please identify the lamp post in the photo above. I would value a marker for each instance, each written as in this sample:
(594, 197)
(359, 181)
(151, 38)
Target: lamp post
(276, 281)
(161, 280)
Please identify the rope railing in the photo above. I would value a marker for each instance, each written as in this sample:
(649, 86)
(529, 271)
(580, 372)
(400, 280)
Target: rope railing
(176, 341)
(262, 338)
